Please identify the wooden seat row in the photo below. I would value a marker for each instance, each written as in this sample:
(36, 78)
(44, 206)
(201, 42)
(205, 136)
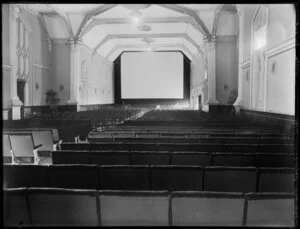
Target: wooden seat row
(110, 157)
(69, 207)
(213, 147)
(122, 177)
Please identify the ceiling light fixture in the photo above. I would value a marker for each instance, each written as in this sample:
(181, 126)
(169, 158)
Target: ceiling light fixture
(136, 16)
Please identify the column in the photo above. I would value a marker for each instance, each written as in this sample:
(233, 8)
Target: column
(74, 72)
(239, 101)
(14, 103)
(211, 71)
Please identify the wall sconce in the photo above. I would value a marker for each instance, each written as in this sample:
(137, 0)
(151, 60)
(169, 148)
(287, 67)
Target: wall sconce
(247, 76)
(37, 86)
(225, 87)
(61, 87)
(274, 67)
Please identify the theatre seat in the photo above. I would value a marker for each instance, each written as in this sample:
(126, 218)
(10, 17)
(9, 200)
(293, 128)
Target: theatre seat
(232, 159)
(70, 157)
(44, 138)
(274, 160)
(190, 158)
(124, 177)
(23, 148)
(276, 180)
(175, 177)
(15, 176)
(277, 148)
(111, 157)
(73, 176)
(16, 212)
(249, 148)
(60, 207)
(150, 158)
(230, 179)
(7, 154)
(143, 208)
(270, 210)
(207, 209)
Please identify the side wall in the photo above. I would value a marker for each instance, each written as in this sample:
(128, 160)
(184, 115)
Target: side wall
(38, 79)
(278, 62)
(99, 87)
(226, 70)
(198, 81)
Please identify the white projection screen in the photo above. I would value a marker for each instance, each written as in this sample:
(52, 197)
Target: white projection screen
(152, 75)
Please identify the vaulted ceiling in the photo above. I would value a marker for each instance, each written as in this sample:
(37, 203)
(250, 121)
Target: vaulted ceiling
(110, 29)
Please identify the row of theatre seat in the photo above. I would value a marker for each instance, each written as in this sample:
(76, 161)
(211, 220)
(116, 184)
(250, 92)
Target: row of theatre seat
(164, 177)
(192, 139)
(199, 147)
(65, 207)
(190, 130)
(110, 157)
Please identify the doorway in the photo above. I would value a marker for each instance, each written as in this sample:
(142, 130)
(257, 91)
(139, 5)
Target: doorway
(199, 103)
(21, 94)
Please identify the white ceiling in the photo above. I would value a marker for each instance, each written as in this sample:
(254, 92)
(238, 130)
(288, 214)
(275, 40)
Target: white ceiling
(108, 29)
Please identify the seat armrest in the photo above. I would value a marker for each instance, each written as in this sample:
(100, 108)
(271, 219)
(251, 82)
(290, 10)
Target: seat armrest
(37, 146)
(36, 157)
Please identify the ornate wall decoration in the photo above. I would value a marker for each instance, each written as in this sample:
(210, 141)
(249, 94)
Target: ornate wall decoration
(22, 49)
(83, 86)
(259, 49)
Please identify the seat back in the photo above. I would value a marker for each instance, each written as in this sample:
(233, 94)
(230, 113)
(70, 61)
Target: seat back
(73, 176)
(276, 180)
(122, 177)
(43, 137)
(232, 159)
(249, 148)
(15, 176)
(15, 208)
(277, 148)
(274, 160)
(230, 179)
(190, 158)
(70, 157)
(207, 209)
(22, 147)
(270, 210)
(55, 135)
(109, 157)
(59, 207)
(175, 177)
(134, 208)
(150, 158)
(7, 156)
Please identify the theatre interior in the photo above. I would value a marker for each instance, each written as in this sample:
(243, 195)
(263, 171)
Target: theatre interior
(149, 115)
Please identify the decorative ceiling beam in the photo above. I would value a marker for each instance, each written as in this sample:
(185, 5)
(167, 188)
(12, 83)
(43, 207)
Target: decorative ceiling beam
(189, 12)
(181, 47)
(65, 17)
(147, 35)
(40, 17)
(216, 17)
(90, 15)
(113, 21)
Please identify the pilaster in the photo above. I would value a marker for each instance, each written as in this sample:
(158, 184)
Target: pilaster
(14, 102)
(74, 72)
(239, 101)
(211, 71)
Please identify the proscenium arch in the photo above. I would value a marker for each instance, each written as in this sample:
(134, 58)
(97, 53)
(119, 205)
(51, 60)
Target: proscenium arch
(182, 48)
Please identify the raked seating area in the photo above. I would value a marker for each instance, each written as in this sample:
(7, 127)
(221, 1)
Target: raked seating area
(213, 171)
